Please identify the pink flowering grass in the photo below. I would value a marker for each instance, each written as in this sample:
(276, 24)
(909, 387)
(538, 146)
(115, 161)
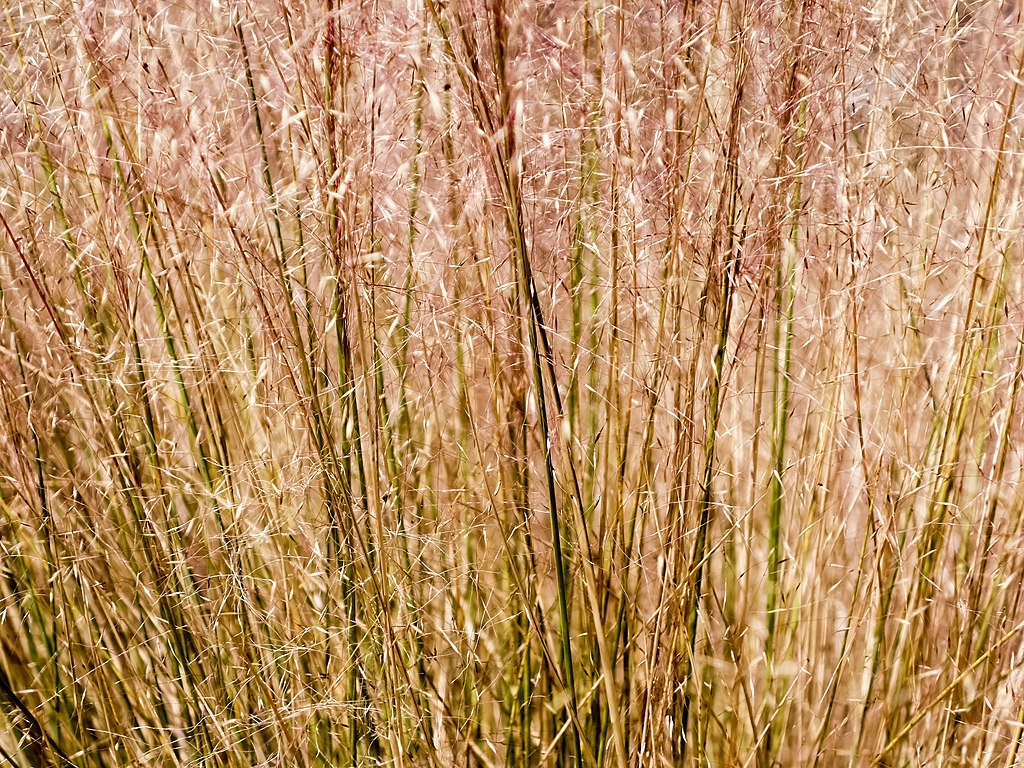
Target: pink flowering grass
(511, 384)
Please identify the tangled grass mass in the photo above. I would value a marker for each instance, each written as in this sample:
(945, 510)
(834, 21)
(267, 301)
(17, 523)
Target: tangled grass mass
(511, 383)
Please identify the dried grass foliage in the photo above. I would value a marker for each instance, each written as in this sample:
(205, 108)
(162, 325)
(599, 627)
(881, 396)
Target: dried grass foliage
(499, 383)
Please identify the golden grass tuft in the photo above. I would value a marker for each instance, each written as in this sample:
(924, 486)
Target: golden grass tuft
(499, 384)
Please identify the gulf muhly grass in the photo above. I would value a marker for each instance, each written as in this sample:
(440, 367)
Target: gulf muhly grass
(511, 384)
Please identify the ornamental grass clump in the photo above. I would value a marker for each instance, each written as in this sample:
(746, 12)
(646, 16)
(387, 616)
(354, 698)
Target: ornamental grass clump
(499, 384)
